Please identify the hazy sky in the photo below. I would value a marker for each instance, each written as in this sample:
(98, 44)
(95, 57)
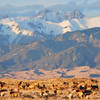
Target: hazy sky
(91, 7)
(45, 2)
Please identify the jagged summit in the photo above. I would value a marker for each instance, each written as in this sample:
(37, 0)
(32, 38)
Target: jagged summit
(77, 14)
(59, 15)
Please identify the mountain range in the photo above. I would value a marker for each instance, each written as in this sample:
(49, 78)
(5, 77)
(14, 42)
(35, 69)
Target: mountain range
(50, 41)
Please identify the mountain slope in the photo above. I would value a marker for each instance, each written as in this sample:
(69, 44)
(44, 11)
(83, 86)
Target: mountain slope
(80, 48)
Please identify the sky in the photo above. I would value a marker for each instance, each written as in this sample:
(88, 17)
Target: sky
(45, 2)
(91, 7)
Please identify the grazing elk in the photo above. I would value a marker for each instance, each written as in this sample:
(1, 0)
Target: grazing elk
(94, 87)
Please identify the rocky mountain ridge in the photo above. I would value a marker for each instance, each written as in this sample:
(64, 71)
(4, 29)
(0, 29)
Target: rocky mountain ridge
(14, 30)
(70, 50)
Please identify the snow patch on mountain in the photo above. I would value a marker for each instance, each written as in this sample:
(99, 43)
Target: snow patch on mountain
(31, 26)
(15, 27)
(79, 24)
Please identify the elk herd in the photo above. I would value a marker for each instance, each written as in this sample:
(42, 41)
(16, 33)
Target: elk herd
(51, 89)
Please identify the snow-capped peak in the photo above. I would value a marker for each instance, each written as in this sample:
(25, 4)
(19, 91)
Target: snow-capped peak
(59, 16)
(47, 25)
